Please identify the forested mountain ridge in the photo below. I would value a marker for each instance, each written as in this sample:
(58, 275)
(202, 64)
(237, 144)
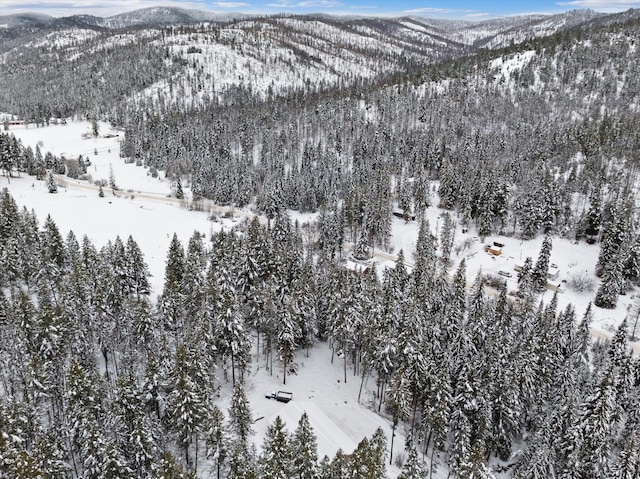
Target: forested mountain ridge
(258, 54)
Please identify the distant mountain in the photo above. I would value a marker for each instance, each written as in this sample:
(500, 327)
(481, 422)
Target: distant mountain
(152, 16)
(458, 34)
(21, 20)
(268, 55)
(500, 32)
(159, 16)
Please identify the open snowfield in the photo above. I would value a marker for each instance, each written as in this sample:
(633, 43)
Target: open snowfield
(141, 209)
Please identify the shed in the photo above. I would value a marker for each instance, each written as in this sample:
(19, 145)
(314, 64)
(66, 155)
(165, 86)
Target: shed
(553, 272)
(357, 267)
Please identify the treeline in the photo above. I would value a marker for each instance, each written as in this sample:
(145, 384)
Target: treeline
(97, 379)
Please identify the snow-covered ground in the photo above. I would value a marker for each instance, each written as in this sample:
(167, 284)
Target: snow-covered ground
(78, 207)
(142, 209)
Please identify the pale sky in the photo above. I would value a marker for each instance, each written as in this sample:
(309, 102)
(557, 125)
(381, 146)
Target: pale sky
(460, 9)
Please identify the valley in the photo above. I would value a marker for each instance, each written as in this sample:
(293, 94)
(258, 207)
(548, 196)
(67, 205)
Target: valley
(423, 231)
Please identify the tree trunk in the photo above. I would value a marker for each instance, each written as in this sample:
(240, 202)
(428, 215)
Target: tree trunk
(233, 370)
(381, 396)
(195, 464)
(284, 369)
(364, 375)
(105, 355)
(344, 355)
(426, 445)
(413, 415)
(258, 347)
(431, 463)
(393, 435)
(270, 359)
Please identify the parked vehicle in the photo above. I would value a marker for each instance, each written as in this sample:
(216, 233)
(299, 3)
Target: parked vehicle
(281, 396)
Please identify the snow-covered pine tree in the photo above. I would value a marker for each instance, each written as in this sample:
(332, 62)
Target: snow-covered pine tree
(233, 337)
(304, 450)
(170, 302)
(242, 462)
(52, 185)
(240, 417)
(362, 250)
(137, 269)
(368, 459)
(447, 236)
(339, 468)
(541, 268)
(186, 411)
(413, 467)
(276, 458)
(611, 285)
(288, 334)
(216, 440)
(525, 279)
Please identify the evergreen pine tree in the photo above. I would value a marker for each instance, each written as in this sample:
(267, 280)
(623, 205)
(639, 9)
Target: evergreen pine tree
(52, 186)
(362, 250)
(304, 450)
(171, 302)
(413, 467)
(276, 459)
(216, 440)
(368, 459)
(525, 280)
(541, 268)
(240, 417)
(242, 461)
(179, 190)
(186, 405)
(610, 287)
(137, 271)
(339, 468)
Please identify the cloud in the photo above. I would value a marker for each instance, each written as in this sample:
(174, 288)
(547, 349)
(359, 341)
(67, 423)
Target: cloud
(304, 4)
(317, 3)
(601, 4)
(445, 12)
(429, 10)
(230, 4)
(58, 8)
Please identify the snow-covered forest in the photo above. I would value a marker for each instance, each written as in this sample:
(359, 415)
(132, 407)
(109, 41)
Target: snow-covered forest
(349, 122)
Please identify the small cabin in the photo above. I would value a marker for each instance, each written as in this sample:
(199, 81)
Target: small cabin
(493, 249)
(357, 267)
(553, 272)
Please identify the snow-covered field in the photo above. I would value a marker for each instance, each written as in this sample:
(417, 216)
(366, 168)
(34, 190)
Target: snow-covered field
(141, 209)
